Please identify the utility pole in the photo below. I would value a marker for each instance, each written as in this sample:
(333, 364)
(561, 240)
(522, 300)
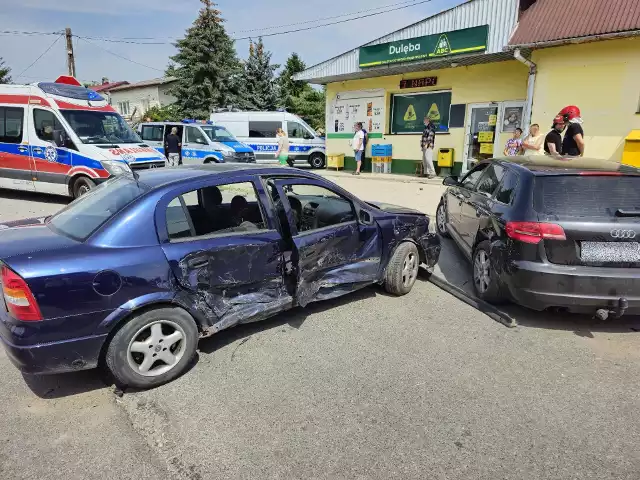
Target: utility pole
(71, 60)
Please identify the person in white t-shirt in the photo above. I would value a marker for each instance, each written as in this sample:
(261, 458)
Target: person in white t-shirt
(358, 147)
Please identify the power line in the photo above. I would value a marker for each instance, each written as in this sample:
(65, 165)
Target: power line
(20, 32)
(117, 54)
(41, 55)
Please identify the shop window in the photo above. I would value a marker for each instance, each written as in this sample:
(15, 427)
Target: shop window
(409, 111)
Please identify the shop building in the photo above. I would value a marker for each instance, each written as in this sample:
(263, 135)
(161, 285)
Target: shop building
(467, 70)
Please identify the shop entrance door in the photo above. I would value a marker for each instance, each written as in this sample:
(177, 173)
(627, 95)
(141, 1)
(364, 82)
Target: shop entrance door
(481, 135)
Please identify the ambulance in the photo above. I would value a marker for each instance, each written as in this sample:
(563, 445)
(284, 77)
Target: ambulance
(61, 138)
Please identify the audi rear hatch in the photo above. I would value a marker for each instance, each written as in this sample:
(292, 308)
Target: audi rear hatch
(598, 214)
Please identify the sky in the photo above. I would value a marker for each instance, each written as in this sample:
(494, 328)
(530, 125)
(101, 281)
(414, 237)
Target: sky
(167, 20)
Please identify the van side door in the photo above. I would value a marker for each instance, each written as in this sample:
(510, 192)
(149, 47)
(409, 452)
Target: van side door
(194, 146)
(16, 165)
(153, 135)
(262, 139)
(300, 141)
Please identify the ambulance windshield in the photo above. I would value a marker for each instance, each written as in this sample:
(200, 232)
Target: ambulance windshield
(95, 128)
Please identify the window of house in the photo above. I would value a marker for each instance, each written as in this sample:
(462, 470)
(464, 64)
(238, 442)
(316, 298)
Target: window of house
(194, 135)
(314, 207)
(507, 190)
(153, 133)
(11, 122)
(124, 108)
(45, 123)
(146, 104)
(469, 182)
(263, 129)
(491, 179)
(230, 209)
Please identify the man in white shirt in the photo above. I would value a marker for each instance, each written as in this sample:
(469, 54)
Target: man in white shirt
(358, 147)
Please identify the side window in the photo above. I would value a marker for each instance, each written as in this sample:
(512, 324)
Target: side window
(11, 122)
(507, 190)
(194, 135)
(152, 133)
(318, 207)
(469, 182)
(263, 129)
(47, 123)
(295, 130)
(491, 180)
(217, 210)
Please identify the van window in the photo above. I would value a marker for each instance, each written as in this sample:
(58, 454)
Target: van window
(46, 122)
(295, 130)
(194, 135)
(263, 129)
(11, 120)
(153, 133)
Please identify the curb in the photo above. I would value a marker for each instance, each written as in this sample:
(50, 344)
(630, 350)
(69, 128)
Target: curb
(381, 177)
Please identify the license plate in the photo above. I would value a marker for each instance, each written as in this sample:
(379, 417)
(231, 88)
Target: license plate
(614, 252)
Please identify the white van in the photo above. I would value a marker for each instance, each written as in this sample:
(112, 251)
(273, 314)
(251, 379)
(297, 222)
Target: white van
(61, 138)
(202, 142)
(258, 130)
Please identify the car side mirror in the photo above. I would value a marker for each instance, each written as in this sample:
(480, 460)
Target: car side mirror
(450, 182)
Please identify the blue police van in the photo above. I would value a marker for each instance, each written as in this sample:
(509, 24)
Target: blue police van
(202, 142)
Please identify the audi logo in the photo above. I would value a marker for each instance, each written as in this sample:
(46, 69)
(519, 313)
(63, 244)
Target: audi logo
(623, 234)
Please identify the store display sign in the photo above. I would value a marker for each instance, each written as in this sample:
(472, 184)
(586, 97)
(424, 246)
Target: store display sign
(409, 112)
(419, 82)
(456, 42)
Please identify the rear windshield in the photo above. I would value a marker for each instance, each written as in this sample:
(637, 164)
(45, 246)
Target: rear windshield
(88, 213)
(586, 196)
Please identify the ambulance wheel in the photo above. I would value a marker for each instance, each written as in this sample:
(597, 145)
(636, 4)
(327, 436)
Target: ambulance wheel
(81, 186)
(317, 160)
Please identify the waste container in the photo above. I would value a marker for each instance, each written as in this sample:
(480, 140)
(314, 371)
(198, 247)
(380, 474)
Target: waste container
(445, 158)
(381, 164)
(631, 152)
(335, 160)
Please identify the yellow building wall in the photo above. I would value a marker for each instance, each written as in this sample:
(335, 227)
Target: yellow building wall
(494, 82)
(602, 79)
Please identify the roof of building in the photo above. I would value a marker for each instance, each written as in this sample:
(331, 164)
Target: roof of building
(105, 87)
(550, 21)
(500, 15)
(145, 83)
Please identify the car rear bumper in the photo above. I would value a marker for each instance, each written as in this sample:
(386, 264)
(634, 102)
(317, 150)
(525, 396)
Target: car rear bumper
(577, 289)
(58, 357)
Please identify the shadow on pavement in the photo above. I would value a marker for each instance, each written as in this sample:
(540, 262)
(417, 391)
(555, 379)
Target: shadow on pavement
(455, 269)
(34, 197)
(63, 385)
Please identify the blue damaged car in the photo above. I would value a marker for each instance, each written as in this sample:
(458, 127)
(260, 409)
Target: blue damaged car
(132, 274)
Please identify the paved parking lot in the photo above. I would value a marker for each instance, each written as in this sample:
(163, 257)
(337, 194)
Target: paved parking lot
(367, 386)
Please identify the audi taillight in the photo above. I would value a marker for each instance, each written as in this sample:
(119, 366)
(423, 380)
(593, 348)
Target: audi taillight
(534, 232)
(20, 302)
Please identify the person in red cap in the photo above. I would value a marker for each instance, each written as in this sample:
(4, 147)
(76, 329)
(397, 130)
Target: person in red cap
(573, 143)
(553, 140)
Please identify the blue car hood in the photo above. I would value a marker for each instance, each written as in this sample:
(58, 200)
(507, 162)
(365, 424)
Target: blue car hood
(238, 147)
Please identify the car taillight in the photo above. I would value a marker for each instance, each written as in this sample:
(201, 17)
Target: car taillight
(534, 232)
(21, 303)
(595, 173)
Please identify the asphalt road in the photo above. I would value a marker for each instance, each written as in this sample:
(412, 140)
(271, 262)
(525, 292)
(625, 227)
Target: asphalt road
(365, 387)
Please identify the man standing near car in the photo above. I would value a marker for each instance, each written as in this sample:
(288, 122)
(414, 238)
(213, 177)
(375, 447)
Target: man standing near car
(428, 143)
(358, 147)
(173, 145)
(573, 143)
(553, 140)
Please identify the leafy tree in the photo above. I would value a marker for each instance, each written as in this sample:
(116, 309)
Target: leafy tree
(205, 66)
(310, 106)
(4, 72)
(287, 87)
(260, 92)
(166, 113)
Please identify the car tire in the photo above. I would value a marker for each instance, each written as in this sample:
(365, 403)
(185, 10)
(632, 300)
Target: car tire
(402, 270)
(485, 281)
(441, 221)
(317, 161)
(82, 185)
(140, 354)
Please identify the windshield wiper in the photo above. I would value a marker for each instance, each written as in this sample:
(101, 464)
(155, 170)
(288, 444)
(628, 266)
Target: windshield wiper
(627, 213)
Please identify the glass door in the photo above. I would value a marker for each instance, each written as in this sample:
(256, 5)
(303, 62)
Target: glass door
(480, 134)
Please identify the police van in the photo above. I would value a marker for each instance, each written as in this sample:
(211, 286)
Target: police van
(61, 138)
(202, 142)
(258, 130)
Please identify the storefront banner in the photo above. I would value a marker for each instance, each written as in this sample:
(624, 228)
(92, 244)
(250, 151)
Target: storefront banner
(349, 108)
(468, 40)
(409, 112)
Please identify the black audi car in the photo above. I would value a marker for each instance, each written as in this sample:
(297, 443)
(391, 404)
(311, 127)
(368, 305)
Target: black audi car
(549, 233)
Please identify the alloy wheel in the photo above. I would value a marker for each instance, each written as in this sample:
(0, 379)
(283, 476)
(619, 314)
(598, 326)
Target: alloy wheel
(156, 348)
(482, 271)
(410, 270)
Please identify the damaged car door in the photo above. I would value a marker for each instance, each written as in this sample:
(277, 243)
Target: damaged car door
(225, 252)
(337, 246)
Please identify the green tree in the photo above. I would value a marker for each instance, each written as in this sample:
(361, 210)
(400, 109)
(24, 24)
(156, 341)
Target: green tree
(287, 87)
(310, 106)
(205, 66)
(167, 113)
(4, 72)
(260, 92)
